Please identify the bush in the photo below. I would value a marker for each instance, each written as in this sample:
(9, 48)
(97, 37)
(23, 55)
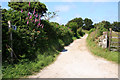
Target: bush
(80, 32)
(91, 30)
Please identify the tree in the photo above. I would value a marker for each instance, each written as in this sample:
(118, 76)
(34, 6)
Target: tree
(116, 26)
(79, 22)
(50, 15)
(29, 28)
(38, 6)
(88, 24)
(107, 24)
(74, 27)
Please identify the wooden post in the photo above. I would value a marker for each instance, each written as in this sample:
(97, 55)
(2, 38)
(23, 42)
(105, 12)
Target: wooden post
(110, 36)
(118, 41)
(9, 23)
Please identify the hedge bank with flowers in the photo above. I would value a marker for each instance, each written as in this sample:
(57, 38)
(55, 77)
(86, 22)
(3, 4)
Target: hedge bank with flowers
(36, 42)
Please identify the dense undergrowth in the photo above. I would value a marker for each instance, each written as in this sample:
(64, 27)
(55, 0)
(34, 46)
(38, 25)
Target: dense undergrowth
(45, 53)
(35, 43)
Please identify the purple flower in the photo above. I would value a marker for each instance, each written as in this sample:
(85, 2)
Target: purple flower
(28, 13)
(36, 15)
(39, 24)
(29, 3)
(34, 11)
(42, 26)
(30, 17)
(27, 22)
(21, 10)
(36, 20)
(26, 17)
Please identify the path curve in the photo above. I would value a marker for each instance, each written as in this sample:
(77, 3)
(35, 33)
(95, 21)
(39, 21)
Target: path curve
(78, 62)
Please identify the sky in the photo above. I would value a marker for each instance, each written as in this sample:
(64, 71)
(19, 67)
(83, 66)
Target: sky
(96, 11)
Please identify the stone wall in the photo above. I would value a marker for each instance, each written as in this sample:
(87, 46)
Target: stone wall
(103, 40)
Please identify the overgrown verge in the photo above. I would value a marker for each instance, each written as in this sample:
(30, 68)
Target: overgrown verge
(98, 51)
(35, 42)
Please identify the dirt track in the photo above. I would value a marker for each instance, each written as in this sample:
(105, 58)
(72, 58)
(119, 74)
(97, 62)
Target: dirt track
(77, 62)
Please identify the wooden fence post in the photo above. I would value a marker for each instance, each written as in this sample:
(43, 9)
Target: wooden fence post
(110, 36)
(118, 42)
(9, 23)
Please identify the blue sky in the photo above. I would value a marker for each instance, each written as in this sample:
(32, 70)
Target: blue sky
(97, 11)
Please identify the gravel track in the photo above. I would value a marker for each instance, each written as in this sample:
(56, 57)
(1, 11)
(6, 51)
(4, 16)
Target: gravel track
(76, 61)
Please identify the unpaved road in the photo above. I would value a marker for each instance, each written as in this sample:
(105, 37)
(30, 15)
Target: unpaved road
(78, 62)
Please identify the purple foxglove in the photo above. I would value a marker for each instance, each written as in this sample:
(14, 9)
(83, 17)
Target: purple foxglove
(26, 17)
(39, 24)
(39, 17)
(36, 20)
(36, 15)
(34, 11)
(30, 17)
(28, 14)
(21, 10)
(29, 3)
(42, 26)
(27, 22)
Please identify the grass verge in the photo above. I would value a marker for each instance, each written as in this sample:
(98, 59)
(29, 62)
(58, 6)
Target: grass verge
(98, 51)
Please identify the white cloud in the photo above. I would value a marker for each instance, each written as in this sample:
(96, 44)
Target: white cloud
(56, 19)
(62, 8)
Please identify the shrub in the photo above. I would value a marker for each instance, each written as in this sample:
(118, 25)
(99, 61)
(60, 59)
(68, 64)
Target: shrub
(80, 32)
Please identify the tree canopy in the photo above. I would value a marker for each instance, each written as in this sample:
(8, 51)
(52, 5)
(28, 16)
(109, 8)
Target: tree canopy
(79, 21)
(38, 6)
(116, 26)
(88, 24)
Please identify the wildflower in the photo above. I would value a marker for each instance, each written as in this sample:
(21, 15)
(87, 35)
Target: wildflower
(39, 18)
(42, 26)
(21, 10)
(36, 15)
(26, 17)
(34, 11)
(28, 13)
(29, 3)
(27, 22)
(39, 24)
(36, 20)
(30, 17)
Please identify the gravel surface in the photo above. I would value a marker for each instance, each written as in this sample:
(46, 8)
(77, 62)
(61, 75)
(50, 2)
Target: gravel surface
(76, 61)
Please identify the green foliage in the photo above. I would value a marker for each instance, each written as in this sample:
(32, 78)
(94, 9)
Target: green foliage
(74, 27)
(98, 51)
(79, 22)
(116, 26)
(100, 28)
(107, 24)
(50, 15)
(80, 32)
(88, 24)
(91, 30)
(35, 45)
(38, 6)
